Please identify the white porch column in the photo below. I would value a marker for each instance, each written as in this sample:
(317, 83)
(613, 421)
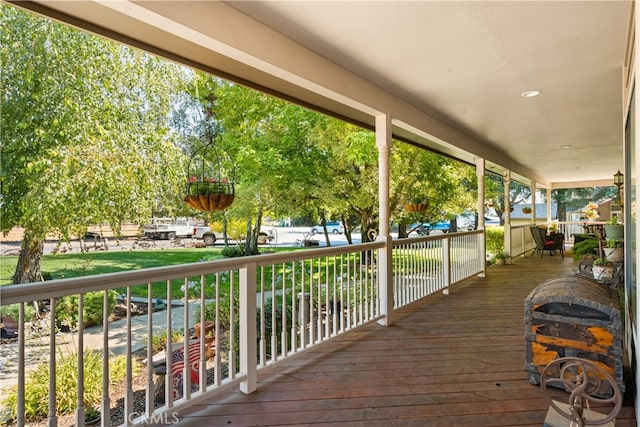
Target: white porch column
(548, 204)
(248, 329)
(534, 190)
(507, 213)
(482, 244)
(385, 279)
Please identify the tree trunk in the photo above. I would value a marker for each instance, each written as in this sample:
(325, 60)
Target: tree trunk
(347, 229)
(29, 260)
(402, 229)
(251, 244)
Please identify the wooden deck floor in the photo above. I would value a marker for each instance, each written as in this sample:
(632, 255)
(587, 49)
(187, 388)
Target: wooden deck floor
(448, 360)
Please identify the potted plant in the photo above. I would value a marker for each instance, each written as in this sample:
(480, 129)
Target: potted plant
(91, 416)
(587, 246)
(602, 270)
(613, 250)
(526, 210)
(501, 258)
(612, 229)
(417, 204)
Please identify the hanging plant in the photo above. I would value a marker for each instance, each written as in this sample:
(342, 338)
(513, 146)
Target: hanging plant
(417, 205)
(210, 186)
(526, 210)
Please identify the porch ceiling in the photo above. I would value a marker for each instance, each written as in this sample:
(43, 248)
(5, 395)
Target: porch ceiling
(450, 72)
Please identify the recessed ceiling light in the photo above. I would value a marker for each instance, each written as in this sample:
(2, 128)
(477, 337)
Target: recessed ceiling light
(565, 147)
(530, 93)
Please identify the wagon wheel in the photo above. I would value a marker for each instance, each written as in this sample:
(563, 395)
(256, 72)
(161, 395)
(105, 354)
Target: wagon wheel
(372, 234)
(583, 379)
(585, 266)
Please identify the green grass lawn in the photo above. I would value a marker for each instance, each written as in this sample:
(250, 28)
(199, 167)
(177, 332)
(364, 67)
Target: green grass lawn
(70, 265)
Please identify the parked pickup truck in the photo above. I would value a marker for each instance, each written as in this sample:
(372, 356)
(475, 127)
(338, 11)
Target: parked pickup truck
(166, 228)
(205, 233)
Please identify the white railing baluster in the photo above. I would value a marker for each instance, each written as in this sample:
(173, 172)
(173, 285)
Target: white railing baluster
(186, 368)
(128, 399)
(149, 395)
(285, 319)
(105, 409)
(203, 335)
(168, 376)
(274, 315)
(231, 359)
(80, 380)
(53, 420)
(248, 356)
(217, 360)
(263, 328)
(21, 367)
(294, 309)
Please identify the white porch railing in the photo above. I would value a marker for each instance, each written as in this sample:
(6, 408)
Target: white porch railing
(422, 266)
(262, 309)
(521, 240)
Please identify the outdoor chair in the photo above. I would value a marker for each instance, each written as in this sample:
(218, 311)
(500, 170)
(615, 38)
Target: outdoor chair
(550, 243)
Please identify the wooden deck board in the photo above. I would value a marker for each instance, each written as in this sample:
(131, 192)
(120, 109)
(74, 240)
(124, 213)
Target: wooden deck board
(448, 360)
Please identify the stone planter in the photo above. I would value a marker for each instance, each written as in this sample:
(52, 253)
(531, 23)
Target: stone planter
(602, 273)
(614, 254)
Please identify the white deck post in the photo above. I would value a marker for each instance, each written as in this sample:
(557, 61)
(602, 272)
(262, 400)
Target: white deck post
(248, 333)
(534, 190)
(482, 243)
(385, 260)
(507, 213)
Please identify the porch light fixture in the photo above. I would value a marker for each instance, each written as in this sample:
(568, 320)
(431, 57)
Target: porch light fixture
(530, 93)
(618, 179)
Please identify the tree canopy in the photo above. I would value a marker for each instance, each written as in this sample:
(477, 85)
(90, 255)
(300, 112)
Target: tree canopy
(85, 135)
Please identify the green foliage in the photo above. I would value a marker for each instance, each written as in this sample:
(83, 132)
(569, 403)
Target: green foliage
(224, 311)
(37, 385)
(159, 340)
(67, 309)
(613, 220)
(601, 262)
(85, 139)
(232, 251)
(268, 311)
(12, 311)
(495, 239)
(589, 245)
(501, 255)
(611, 243)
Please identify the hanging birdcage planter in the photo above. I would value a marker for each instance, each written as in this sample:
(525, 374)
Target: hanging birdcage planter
(210, 185)
(417, 204)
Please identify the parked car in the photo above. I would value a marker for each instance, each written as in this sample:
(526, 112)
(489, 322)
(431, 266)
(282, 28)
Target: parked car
(334, 227)
(426, 228)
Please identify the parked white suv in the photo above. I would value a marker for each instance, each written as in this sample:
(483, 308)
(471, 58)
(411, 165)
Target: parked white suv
(334, 227)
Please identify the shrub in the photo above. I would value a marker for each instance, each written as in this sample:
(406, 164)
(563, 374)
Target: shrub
(225, 311)
(495, 239)
(159, 341)
(232, 251)
(584, 247)
(12, 311)
(67, 309)
(36, 397)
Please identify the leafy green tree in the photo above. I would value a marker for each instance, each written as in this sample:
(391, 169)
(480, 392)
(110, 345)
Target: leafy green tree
(494, 193)
(85, 138)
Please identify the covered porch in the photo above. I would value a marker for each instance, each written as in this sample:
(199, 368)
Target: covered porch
(454, 359)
